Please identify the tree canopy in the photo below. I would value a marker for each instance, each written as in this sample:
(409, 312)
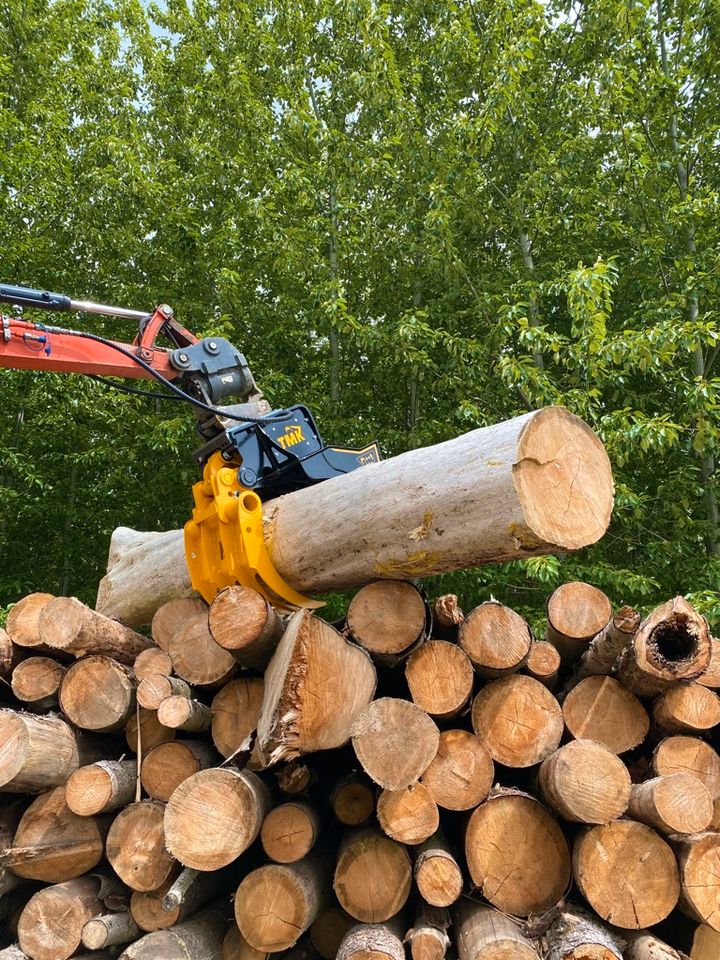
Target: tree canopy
(417, 217)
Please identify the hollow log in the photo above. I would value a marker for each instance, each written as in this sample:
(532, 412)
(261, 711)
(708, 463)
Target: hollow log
(156, 687)
(52, 923)
(486, 934)
(289, 831)
(437, 874)
(389, 619)
(352, 799)
(461, 772)
(540, 483)
(275, 904)
(585, 782)
(36, 681)
(101, 787)
(519, 879)
(171, 617)
(68, 625)
(679, 803)
(518, 720)
(688, 755)
(136, 846)
(22, 621)
(409, 815)
(440, 678)
(196, 658)
(167, 765)
(686, 707)
(109, 930)
(214, 816)
(152, 661)
(699, 863)
(328, 930)
(601, 709)
(576, 935)
(181, 713)
(543, 663)
(496, 639)
(576, 612)
(395, 741)
(627, 873)
(244, 623)
(372, 876)
(373, 941)
(235, 711)
(200, 937)
(315, 685)
(98, 694)
(671, 644)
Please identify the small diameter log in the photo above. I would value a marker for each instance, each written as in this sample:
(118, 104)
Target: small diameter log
(518, 720)
(199, 938)
(109, 930)
(168, 765)
(705, 946)
(641, 945)
(150, 733)
(428, 937)
(242, 622)
(440, 678)
(543, 663)
(180, 713)
(576, 612)
(627, 873)
(36, 681)
(214, 816)
(461, 773)
(576, 935)
(389, 619)
(585, 782)
(98, 694)
(174, 900)
(196, 657)
(38, 753)
(373, 941)
(172, 617)
(372, 876)
(679, 803)
(711, 676)
(295, 778)
(101, 787)
(67, 624)
(689, 755)
(496, 639)
(52, 843)
(517, 878)
(395, 741)
(275, 904)
(601, 709)
(609, 643)
(235, 711)
(22, 621)
(486, 934)
(446, 617)
(353, 800)
(236, 947)
(409, 815)
(136, 846)
(686, 707)
(289, 831)
(671, 644)
(152, 661)
(328, 930)
(437, 874)
(315, 685)
(699, 863)
(156, 687)
(52, 923)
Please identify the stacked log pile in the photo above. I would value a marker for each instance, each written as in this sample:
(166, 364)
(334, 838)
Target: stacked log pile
(409, 782)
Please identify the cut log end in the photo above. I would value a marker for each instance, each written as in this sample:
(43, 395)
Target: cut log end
(387, 618)
(395, 741)
(518, 720)
(369, 854)
(496, 639)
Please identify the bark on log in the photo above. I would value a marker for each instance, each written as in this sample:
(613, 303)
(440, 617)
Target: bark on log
(196, 657)
(642, 945)
(172, 617)
(36, 681)
(395, 741)
(608, 644)
(289, 831)
(686, 707)
(496, 639)
(437, 874)
(409, 815)
(372, 941)
(671, 644)
(699, 863)
(536, 484)
(156, 687)
(576, 612)
(711, 676)
(372, 876)
(109, 930)
(486, 934)
(585, 782)
(168, 765)
(446, 617)
(52, 843)
(235, 711)
(175, 900)
(150, 732)
(440, 678)
(200, 937)
(51, 925)
(98, 694)
(22, 621)
(353, 800)
(689, 755)
(315, 685)
(601, 709)
(214, 816)
(242, 622)
(519, 879)
(328, 930)
(627, 873)
(180, 713)
(577, 935)
(275, 904)
(679, 803)
(101, 787)
(37, 753)
(461, 773)
(543, 663)
(136, 846)
(152, 661)
(518, 720)
(67, 624)
(389, 619)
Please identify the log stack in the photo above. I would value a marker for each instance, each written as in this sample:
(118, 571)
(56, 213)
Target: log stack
(410, 782)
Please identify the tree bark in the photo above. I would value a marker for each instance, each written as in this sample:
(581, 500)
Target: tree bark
(136, 846)
(156, 687)
(409, 815)
(518, 720)
(98, 694)
(109, 930)
(711, 676)
(496, 639)
(576, 612)
(487, 934)
(372, 876)
(180, 713)
(437, 874)
(440, 678)
(376, 940)
(461, 772)
(67, 624)
(679, 803)
(52, 923)
(395, 741)
(389, 619)
(584, 782)
(428, 937)
(601, 709)
(576, 935)
(608, 644)
(536, 484)
(200, 937)
(244, 623)
(101, 787)
(235, 711)
(289, 831)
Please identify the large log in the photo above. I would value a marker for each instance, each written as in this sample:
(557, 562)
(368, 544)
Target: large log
(540, 483)
(51, 925)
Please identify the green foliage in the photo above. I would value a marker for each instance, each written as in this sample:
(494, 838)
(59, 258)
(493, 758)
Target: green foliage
(416, 217)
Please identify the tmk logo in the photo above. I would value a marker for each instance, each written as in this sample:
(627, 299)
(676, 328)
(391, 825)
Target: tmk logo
(290, 437)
